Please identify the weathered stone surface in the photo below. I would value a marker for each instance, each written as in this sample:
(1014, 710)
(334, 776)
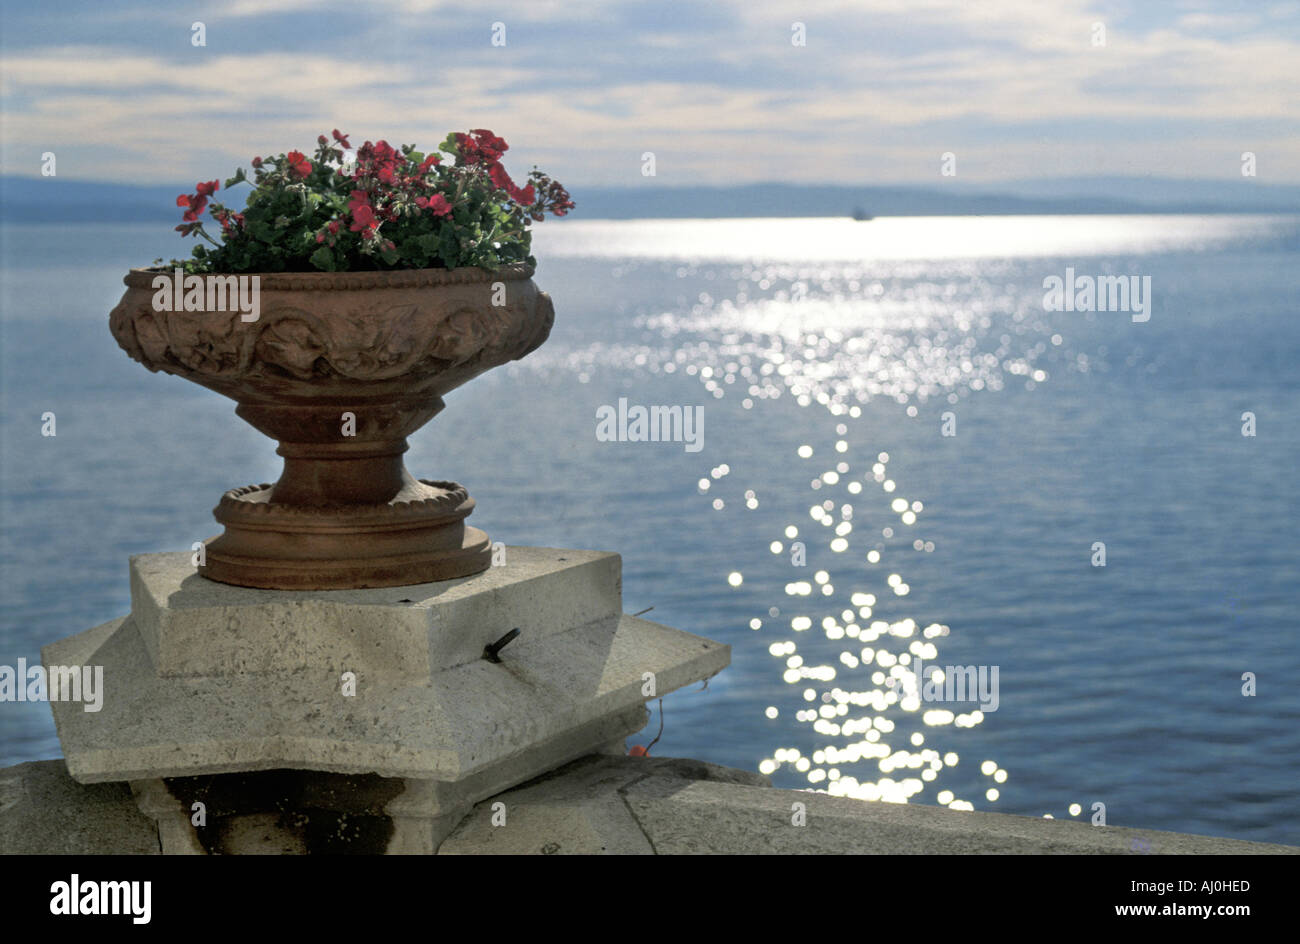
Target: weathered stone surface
(208, 679)
(341, 813)
(600, 804)
(43, 811)
(700, 817)
(578, 810)
(668, 807)
(205, 678)
(192, 626)
(170, 815)
(572, 691)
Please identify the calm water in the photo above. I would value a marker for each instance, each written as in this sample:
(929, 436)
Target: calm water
(825, 354)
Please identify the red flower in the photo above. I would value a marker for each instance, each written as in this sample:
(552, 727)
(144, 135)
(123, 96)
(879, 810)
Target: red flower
(390, 181)
(554, 197)
(499, 177)
(437, 203)
(358, 198)
(378, 160)
(298, 163)
(637, 750)
(363, 219)
(226, 218)
(195, 201)
(483, 147)
(489, 145)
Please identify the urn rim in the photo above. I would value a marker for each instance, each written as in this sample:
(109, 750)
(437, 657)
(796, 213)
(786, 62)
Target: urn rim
(141, 277)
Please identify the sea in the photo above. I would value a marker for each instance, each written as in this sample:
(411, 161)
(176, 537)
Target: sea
(906, 450)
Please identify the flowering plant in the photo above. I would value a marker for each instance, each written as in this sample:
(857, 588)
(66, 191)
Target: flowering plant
(377, 207)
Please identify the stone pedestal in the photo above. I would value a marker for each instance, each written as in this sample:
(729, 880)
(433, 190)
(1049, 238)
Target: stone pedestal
(360, 720)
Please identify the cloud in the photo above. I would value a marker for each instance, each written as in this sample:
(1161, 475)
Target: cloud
(720, 94)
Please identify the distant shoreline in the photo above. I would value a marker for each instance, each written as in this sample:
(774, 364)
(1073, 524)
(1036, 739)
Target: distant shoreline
(54, 200)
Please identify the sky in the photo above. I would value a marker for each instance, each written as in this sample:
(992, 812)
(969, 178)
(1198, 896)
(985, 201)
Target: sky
(719, 92)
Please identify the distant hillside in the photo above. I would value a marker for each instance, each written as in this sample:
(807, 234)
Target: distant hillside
(56, 200)
(1244, 194)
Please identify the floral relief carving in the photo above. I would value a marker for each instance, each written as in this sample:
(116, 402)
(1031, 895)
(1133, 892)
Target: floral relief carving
(363, 334)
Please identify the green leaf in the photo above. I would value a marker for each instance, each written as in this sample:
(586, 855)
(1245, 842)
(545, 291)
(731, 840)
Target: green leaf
(323, 258)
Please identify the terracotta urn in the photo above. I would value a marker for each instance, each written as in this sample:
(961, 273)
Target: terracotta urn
(340, 368)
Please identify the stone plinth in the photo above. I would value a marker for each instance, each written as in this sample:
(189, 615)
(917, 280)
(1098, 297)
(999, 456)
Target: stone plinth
(205, 678)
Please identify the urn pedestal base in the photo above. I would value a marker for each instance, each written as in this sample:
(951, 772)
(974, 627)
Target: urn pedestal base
(418, 537)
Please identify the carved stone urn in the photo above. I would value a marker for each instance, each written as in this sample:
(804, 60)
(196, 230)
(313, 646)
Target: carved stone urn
(340, 368)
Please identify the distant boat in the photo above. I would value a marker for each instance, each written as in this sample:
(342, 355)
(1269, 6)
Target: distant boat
(861, 215)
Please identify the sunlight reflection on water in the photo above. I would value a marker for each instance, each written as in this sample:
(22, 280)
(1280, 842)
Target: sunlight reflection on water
(895, 238)
(839, 313)
(838, 335)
